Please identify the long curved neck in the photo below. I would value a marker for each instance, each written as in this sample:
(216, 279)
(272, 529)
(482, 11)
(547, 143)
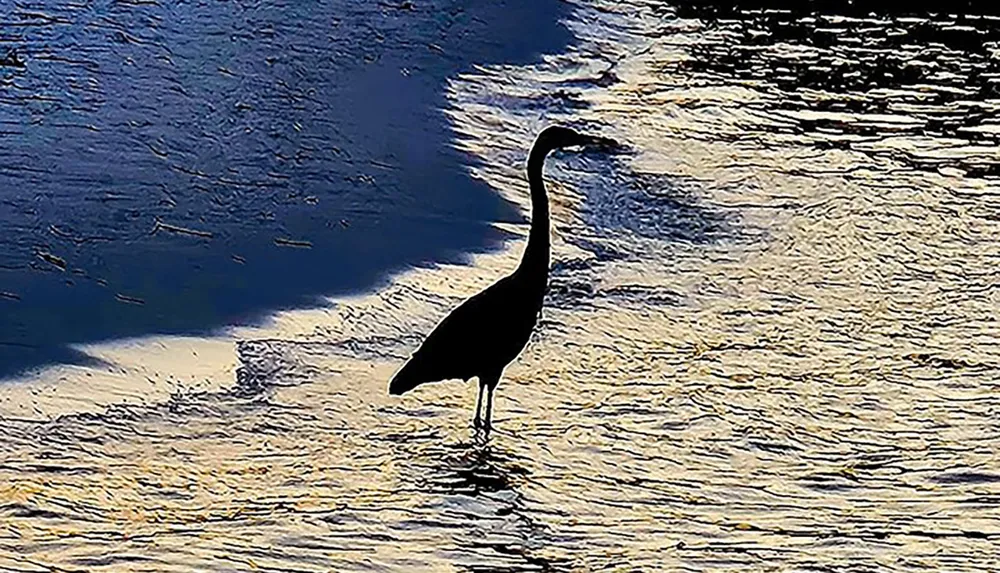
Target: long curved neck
(536, 255)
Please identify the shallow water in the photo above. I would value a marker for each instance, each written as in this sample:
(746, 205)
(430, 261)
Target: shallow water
(769, 342)
(174, 168)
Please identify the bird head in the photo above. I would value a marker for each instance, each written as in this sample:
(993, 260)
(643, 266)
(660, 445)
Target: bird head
(559, 137)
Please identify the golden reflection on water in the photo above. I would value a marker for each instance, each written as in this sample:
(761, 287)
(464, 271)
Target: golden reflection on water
(769, 355)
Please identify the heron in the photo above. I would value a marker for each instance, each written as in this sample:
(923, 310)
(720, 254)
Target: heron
(485, 333)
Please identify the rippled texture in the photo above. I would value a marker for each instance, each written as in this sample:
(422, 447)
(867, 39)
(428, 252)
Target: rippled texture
(174, 168)
(769, 343)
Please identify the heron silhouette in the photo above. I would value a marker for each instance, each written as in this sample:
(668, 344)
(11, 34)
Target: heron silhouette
(486, 332)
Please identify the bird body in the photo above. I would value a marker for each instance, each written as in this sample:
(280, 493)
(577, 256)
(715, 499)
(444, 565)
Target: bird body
(478, 339)
(486, 332)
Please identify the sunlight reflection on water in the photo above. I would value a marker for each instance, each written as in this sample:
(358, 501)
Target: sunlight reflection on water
(770, 344)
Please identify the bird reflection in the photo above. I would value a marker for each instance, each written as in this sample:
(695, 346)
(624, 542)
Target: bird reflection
(480, 485)
(485, 333)
(474, 469)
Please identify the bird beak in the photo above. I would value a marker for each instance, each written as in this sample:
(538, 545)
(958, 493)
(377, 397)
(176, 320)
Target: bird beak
(605, 144)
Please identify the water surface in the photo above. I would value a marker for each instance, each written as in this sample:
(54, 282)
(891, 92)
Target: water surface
(175, 168)
(769, 342)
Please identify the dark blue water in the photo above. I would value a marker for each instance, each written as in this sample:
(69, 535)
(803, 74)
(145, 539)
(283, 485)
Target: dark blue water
(179, 167)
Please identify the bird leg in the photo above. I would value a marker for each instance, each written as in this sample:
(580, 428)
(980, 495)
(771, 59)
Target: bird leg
(477, 421)
(489, 407)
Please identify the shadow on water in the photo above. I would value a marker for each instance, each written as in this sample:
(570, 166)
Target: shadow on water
(175, 168)
(655, 206)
